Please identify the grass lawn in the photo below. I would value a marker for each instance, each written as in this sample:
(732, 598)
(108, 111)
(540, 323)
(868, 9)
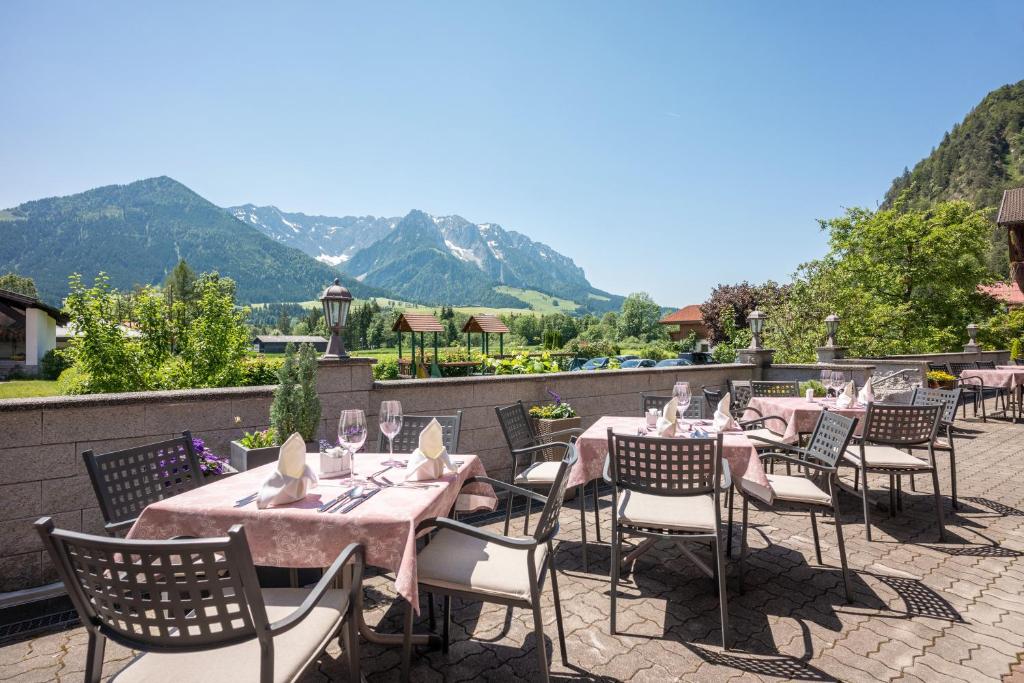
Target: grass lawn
(28, 388)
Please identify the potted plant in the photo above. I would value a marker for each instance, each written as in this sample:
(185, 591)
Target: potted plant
(937, 379)
(549, 418)
(211, 464)
(254, 449)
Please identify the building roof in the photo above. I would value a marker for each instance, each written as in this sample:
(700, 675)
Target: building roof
(686, 314)
(1008, 293)
(485, 323)
(290, 339)
(16, 300)
(417, 322)
(1011, 209)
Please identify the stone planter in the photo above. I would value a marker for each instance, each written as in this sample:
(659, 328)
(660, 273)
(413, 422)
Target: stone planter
(545, 427)
(243, 458)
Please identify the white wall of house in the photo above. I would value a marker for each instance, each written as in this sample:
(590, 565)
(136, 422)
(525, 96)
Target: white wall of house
(40, 335)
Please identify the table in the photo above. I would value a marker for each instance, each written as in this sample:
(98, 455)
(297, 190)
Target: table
(297, 535)
(1008, 377)
(738, 451)
(800, 414)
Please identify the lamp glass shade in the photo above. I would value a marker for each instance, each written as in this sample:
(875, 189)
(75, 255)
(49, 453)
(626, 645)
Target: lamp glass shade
(832, 325)
(972, 332)
(342, 311)
(756, 321)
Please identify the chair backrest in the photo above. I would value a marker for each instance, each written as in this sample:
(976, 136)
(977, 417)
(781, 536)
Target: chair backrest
(901, 425)
(985, 365)
(830, 438)
(939, 367)
(694, 411)
(956, 368)
(778, 389)
(408, 438)
(949, 399)
(167, 596)
(547, 526)
(516, 425)
(741, 392)
(664, 466)
(127, 481)
(712, 398)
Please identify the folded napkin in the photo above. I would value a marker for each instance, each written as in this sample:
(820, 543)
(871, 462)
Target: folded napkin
(724, 421)
(848, 396)
(292, 478)
(669, 416)
(866, 395)
(430, 460)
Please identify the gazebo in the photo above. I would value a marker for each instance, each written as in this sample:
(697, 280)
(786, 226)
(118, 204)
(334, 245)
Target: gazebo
(485, 326)
(422, 323)
(1011, 217)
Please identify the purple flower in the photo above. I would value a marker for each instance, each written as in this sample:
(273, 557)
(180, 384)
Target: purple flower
(554, 395)
(209, 462)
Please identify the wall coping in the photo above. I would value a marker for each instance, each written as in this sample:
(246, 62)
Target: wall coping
(170, 396)
(923, 356)
(819, 366)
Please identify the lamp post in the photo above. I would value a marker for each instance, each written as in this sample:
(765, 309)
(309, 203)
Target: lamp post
(336, 301)
(756, 322)
(831, 327)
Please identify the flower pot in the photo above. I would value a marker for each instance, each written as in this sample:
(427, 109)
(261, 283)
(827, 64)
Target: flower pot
(946, 384)
(544, 427)
(243, 458)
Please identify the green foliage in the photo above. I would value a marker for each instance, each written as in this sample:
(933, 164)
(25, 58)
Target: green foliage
(818, 387)
(940, 377)
(214, 345)
(309, 401)
(1016, 349)
(733, 340)
(690, 343)
(264, 439)
(52, 364)
(639, 318)
(659, 350)
(734, 303)
(591, 349)
(521, 364)
(259, 370)
(385, 369)
(73, 381)
(13, 282)
(552, 411)
(296, 406)
(1000, 331)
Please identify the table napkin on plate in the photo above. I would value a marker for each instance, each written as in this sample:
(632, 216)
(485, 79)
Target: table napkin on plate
(848, 396)
(430, 459)
(724, 421)
(292, 478)
(669, 417)
(866, 395)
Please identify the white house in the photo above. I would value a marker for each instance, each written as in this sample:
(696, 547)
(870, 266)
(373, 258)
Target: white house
(28, 329)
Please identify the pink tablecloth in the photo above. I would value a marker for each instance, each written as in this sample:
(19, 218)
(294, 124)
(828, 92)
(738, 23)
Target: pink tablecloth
(1001, 378)
(738, 450)
(800, 414)
(296, 535)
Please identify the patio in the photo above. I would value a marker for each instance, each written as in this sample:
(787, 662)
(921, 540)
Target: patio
(922, 610)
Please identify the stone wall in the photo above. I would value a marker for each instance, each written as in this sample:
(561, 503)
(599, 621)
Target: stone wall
(41, 470)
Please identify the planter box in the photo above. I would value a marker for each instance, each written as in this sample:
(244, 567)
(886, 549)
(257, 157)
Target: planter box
(948, 384)
(243, 458)
(545, 427)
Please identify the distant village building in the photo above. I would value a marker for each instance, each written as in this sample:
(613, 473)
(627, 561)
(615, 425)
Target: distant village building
(686, 320)
(275, 343)
(1008, 294)
(28, 330)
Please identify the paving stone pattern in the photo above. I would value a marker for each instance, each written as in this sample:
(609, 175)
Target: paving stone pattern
(922, 611)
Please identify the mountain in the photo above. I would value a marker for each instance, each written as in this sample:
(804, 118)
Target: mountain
(976, 160)
(432, 259)
(136, 233)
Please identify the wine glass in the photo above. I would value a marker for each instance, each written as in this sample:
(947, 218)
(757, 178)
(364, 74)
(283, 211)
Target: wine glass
(390, 424)
(352, 432)
(681, 392)
(838, 382)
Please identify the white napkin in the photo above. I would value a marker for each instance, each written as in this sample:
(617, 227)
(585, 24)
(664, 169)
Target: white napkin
(430, 460)
(866, 395)
(724, 420)
(292, 478)
(846, 399)
(669, 416)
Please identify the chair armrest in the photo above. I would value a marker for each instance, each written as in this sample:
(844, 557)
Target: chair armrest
(537, 447)
(975, 382)
(762, 420)
(607, 473)
(519, 491)
(354, 553)
(482, 534)
(111, 527)
(754, 410)
(796, 461)
(778, 444)
(726, 479)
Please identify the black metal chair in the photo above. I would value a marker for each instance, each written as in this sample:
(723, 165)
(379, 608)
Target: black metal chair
(476, 564)
(694, 411)
(127, 481)
(776, 389)
(888, 428)
(201, 597)
(816, 489)
(949, 399)
(741, 392)
(997, 392)
(667, 488)
(522, 441)
(973, 387)
(408, 438)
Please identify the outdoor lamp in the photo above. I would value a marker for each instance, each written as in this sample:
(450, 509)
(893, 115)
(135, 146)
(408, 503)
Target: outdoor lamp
(336, 301)
(972, 332)
(831, 327)
(756, 321)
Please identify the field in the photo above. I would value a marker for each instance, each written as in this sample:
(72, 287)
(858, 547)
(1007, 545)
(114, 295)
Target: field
(27, 388)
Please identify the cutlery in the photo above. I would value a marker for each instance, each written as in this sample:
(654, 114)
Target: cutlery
(242, 502)
(354, 492)
(359, 501)
(333, 501)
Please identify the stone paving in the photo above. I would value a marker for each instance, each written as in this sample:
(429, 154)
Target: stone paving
(922, 611)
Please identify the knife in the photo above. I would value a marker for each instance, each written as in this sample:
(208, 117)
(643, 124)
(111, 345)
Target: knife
(359, 501)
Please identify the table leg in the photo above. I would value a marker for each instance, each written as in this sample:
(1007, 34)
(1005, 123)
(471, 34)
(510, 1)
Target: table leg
(387, 639)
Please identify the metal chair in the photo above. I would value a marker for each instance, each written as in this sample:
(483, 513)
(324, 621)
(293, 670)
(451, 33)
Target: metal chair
(973, 387)
(694, 411)
(949, 399)
(776, 389)
(815, 490)
(201, 597)
(985, 364)
(517, 427)
(476, 564)
(667, 488)
(887, 429)
(408, 438)
(743, 392)
(127, 481)
(1005, 394)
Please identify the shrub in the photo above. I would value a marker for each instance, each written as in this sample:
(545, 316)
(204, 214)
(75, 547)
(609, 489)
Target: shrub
(592, 349)
(264, 439)
(296, 406)
(259, 371)
(73, 381)
(522, 364)
(819, 388)
(386, 369)
(658, 350)
(52, 364)
(940, 376)
(1016, 349)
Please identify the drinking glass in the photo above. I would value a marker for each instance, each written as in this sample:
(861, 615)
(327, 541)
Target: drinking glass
(681, 392)
(352, 432)
(390, 424)
(838, 382)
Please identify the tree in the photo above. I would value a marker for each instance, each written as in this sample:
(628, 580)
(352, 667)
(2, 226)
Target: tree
(180, 284)
(736, 302)
(13, 282)
(218, 338)
(639, 318)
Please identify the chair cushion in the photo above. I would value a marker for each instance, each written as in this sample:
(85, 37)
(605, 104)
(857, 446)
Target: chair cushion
(886, 457)
(293, 650)
(796, 489)
(539, 473)
(765, 433)
(675, 513)
(459, 562)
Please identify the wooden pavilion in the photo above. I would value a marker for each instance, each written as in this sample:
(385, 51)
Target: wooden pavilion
(421, 323)
(485, 325)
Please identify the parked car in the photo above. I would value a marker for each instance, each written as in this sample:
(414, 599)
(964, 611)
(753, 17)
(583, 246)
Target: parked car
(623, 359)
(638, 363)
(598, 363)
(697, 357)
(673, 363)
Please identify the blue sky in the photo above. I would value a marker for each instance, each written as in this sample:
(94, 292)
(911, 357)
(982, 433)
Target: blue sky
(666, 147)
